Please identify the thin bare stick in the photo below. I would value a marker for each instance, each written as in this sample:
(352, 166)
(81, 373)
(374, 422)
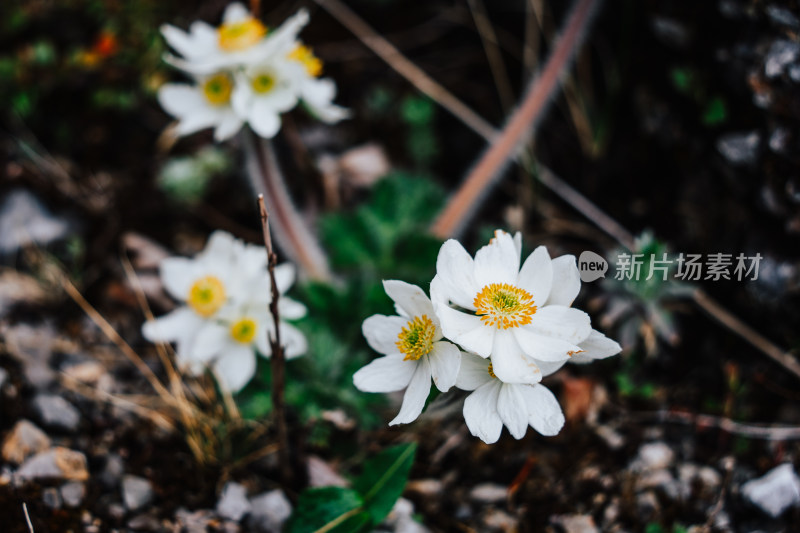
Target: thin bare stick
(753, 431)
(758, 341)
(27, 517)
(293, 235)
(489, 39)
(278, 358)
(416, 76)
(503, 149)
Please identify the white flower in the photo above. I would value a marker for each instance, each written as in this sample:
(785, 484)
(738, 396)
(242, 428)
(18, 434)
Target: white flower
(204, 105)
(262, 93)
(303, 68)
(494, 404)
(520, 317)
(413, 349)
(229, 344)
(240, 40)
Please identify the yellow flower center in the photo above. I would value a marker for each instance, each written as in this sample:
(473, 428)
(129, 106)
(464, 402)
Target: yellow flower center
(244, 330)
(504, 306)
(416, 338)
(206, 296)
(217, 89)
(304, 55)
(240, 35)
(263, 83)
(491, 370)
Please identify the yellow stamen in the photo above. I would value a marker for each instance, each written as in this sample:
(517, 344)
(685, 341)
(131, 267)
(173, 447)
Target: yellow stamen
(217, 89)
(304, 55)
(263, 83)
(416, 338)
(206, 296)
(244, 330)
(240, 35)
(504, 306)
(491, 370)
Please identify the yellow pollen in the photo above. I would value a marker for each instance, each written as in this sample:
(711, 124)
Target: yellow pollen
(240, 35)
(206, 296)
(491, 370)
(304, 55)
(262, 83)
(244, 330)
(504, 306)
(416, 338)
(217, 89)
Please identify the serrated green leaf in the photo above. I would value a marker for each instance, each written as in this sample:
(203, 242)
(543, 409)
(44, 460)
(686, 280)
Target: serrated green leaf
(383, 479)
(329, 510)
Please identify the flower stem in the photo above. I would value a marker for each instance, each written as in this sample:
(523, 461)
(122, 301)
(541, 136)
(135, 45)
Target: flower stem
(278, 360)
(503, 148)
(292, 234)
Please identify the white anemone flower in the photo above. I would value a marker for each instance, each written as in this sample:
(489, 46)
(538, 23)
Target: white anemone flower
(229, 345)
(204, 284)
(262, 93)
(241, 40)
(494, 403)
(413, 348)
(518, 316)
(207, 104)
(316, 93)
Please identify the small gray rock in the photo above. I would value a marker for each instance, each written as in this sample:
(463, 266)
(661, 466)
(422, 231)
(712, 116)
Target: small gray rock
(781, 15)
(73, 493)
(55, 411)
(113, 471)
(576, 523)
(779, 140)
(653, 456)
(136, 492)
(56, 462)
(740, 148)
(269, 512)
(488, 493)
(51, 498)
(774, 492)
(233, 504)
(145, 522)
(24, 440)
(780, 55)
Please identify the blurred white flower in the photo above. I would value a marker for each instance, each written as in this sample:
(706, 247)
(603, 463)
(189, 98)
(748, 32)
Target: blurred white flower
(520, 317)
(204, 105)
(225, 317)
(263, 91)
(317, 94)
(494, 404)
(413, 349)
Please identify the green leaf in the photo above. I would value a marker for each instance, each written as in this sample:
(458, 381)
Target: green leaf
(383, 479)
(328, 510)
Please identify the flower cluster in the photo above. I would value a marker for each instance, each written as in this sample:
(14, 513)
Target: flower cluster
(244, 73)
(492, 327)
(225, 318)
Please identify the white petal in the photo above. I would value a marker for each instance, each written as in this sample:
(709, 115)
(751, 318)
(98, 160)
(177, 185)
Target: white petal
(221, 246)
(179, 99)
(382, 332)
(285, 274)
(512, 410)
(263, 333)
(536, 275)
(180, 323)
(293, 341)
(498, 261)
(410, 298)
(235, 12)
(480, 412)
(291, 309)
(264, 121)
(596, 346)
(385, 374)
(236, 367)
(509, 362)
(445, 360)
(177, 276)
(544, 413)
(542, 347)
(566, 281)
(566, 323)
(228, 126)
(416, 394)
(473, 372)
(212, 340)
(278, 100)
(466, 330)
(550, 367)
(454, 268)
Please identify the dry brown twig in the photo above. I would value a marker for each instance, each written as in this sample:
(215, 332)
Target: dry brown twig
(753, 431)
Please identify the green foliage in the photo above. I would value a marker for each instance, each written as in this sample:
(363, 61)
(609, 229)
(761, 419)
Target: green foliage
(418, 113)
(185, 179)
(690, 83)
(374, 493)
